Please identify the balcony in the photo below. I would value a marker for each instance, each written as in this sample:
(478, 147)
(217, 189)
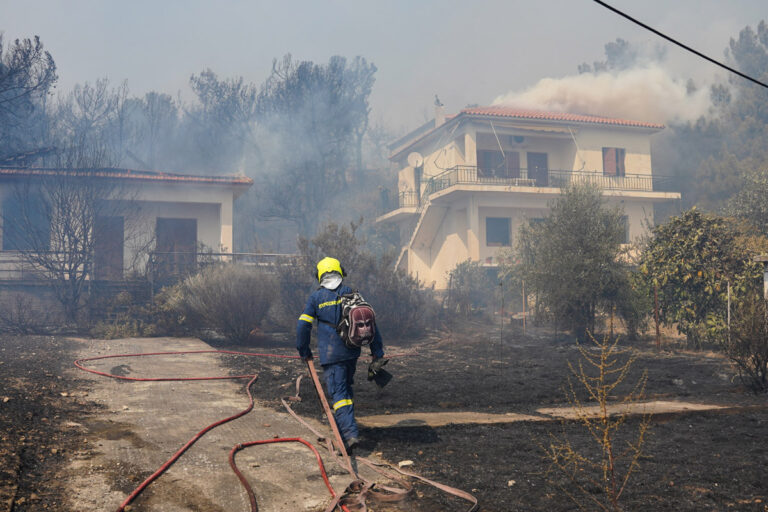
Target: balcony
(409, 202)
(471, 175)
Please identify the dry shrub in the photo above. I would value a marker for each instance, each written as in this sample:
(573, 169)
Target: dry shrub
(23, 313)
(404, 308)
(126, 319)
(231, 300)
(295, 282)
(747, 345)
(470, 289)
(598, 481)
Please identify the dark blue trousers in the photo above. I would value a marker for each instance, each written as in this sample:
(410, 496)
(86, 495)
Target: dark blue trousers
(338, 382)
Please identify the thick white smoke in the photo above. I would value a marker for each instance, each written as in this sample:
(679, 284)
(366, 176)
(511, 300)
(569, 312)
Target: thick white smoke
(643, 94)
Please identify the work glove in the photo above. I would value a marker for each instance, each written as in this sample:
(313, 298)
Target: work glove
(376, 366)
(306, 359)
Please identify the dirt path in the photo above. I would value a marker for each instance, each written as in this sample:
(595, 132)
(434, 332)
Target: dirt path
(441, 419)
(141, 424)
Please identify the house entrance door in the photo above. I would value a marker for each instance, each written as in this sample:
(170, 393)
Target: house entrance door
(108, 242)
(538, 169)
(176, 245)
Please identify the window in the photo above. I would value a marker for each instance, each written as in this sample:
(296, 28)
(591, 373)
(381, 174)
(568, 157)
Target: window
(613, 162)
(497, 230)
(495, 164)
(26, 225)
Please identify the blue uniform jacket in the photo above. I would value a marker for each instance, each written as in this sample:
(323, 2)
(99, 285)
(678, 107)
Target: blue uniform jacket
(323, 306)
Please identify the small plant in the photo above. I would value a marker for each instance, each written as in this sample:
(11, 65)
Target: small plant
(24, 314)
(600, 479)
(127, 319)
(747, 345)
(231, 300)
(470, 288)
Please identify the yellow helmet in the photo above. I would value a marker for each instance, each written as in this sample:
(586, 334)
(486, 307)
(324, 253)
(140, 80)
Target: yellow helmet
(326, 265)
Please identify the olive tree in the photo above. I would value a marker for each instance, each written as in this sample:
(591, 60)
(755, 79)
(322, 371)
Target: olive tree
(572, 262)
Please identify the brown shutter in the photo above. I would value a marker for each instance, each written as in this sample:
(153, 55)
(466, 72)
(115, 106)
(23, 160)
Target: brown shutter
(620, 170)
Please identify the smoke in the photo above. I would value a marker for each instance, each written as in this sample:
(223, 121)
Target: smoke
(646, 93)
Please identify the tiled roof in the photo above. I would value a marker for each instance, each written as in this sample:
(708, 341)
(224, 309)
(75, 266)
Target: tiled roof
(128, 175)
(504, 111)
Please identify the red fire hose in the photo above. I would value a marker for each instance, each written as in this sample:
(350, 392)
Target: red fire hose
(337, 501)
(196, 437)
(246, 485)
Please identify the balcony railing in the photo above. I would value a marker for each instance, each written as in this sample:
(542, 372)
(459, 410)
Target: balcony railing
(471, 175)
(172, 265)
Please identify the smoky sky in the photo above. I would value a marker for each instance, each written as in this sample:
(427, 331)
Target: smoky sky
(466, 52)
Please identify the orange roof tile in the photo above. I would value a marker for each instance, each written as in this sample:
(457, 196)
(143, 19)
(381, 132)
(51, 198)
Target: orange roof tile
(505, 111)
(127, 174)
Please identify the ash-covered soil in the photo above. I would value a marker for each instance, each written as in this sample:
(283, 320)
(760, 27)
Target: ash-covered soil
(694, 461)
(40, 411)
(691, 461)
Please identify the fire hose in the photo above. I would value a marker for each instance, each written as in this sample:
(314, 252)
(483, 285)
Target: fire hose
(356, 492)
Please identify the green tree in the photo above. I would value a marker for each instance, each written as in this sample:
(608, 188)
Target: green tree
(27, 74)
(691, 259)
(749, 203)
(572, 259)
(220, 128)
(714, 155)
(312, 119)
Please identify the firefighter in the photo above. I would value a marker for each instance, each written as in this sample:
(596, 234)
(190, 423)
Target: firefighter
(337, 359)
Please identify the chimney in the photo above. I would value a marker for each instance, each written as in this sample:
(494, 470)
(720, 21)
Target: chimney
(439, 112)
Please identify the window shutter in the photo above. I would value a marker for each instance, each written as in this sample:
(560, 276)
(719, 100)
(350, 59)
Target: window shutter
(609, 161)
(620, 170)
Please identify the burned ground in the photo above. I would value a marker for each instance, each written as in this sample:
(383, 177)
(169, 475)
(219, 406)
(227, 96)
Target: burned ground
(40, 411)
(692, 461)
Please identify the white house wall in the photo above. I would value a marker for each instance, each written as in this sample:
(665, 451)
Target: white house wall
(448, 249)
(211, 205)
(451, 244)
(591, 142)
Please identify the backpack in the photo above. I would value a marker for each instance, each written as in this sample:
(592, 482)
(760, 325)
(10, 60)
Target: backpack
(357, 325)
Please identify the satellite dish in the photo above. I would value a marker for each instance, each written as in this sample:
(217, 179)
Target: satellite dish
(415, 160)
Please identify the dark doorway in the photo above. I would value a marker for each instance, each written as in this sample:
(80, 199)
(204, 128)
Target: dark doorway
(176, 245)
(108, 242)
(538, 169)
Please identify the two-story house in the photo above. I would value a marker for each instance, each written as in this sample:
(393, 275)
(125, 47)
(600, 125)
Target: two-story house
(467, 182)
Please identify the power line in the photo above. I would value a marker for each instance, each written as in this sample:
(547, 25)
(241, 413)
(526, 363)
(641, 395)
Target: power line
(678, 43)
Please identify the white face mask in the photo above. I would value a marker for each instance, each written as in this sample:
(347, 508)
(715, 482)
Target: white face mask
(331, 281)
